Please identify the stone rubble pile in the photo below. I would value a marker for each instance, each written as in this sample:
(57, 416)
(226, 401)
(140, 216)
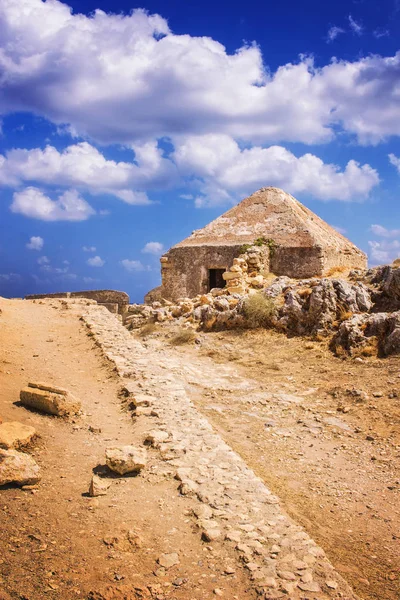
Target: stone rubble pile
(344, 310)
(232, 505)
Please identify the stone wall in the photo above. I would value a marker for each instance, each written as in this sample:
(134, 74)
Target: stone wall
(184, 270)
(113, 300)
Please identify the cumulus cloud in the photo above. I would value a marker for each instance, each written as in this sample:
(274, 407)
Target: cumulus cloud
(35, 243)
(381, 231)
(128, 78)
(384, 252)
(226, 172)
(155, 248)
(95, 261)
(132, 265)
(89, 248)
(43, 260)
(83, 166)
(70, 206)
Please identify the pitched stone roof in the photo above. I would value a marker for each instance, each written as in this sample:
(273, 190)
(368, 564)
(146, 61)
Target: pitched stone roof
(272, 213)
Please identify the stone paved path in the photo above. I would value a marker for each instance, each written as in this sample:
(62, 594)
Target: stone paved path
(233, 504)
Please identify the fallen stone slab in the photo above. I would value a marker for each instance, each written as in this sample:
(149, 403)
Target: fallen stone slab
(98, 486)
(18, 467)
(16, 435)
(126, 459)
(50, 399)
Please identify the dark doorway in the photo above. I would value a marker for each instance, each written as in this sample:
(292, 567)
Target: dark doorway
(215, 279)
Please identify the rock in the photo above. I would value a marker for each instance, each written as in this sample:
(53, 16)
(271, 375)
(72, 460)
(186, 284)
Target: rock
(188, 487)
(126, 459)
(168, 560)
(312, 586)
(134, 539)
(16, 435)
(156, 437)
(98, 486)
(50, 399)
(18, 467)
(211, 534)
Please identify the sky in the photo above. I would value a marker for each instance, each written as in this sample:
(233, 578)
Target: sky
(124, 127)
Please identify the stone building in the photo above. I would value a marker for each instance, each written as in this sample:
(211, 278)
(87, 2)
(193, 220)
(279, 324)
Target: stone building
(299, 244)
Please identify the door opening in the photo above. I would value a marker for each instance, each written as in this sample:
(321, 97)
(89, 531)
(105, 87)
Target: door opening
(215, 279)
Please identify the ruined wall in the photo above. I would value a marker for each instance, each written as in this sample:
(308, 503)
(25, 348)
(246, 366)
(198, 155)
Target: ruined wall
(297, 262)
(184, 270)
(346, 258)
(113, 300)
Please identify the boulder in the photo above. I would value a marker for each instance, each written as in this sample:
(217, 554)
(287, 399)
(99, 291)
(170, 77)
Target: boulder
(126, 459)
(18, 467)
(50, 399)
(98, 486)
(16, 435)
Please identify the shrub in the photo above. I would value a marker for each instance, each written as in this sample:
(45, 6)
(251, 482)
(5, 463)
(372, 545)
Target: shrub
(183, 336)
(258, 310)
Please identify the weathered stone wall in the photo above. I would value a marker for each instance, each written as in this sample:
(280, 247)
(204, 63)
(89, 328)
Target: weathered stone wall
(352, 260)
(297, 262)
(109, 298)
(184, 270)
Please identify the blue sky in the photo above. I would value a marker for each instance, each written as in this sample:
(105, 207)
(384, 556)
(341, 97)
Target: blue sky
(126, 126)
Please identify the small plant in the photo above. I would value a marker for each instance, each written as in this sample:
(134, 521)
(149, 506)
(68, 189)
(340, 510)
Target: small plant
(336, 271)
(260, 241)
(183, 336)
(259, 310)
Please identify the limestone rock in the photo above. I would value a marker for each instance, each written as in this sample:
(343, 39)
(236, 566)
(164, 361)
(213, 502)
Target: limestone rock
(126, 459)
(17, 467)
(168, 560)
(156, 437)
(16, 435)
(50, 399)
(98, 486)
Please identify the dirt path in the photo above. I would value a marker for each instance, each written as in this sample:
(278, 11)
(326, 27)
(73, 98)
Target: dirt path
(322, 433)
(56, 542)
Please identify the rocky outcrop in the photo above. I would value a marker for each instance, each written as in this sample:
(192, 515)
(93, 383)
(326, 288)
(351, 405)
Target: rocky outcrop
(368, 335)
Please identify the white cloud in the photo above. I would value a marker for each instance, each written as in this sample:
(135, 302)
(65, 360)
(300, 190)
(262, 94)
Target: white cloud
(43, 260)
(356, 27)
(333, 33)
(226, 173)
(155, 248)
(10, 277)
(89, 248)
(70, 206)
(395, 161)
(132, 265)
(83, 166)
(384, 252)
(95, 261)
(35, 243)
(128, 78)
(381, 231)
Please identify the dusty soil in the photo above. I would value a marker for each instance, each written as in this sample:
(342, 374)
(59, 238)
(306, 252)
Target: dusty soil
(322, 432)
(56, 542)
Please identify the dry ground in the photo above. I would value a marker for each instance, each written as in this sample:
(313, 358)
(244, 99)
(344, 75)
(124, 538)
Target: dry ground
(292, 411)
(52, 541)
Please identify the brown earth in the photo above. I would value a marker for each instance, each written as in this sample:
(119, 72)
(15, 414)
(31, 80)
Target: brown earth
(56, 542)
(292, 411)
(274, 400)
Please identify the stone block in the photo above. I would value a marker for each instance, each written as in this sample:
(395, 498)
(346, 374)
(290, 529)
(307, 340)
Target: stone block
(50, 399)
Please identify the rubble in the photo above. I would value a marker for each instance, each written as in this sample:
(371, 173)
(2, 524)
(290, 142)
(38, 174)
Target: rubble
(19, 468)
(50, 399)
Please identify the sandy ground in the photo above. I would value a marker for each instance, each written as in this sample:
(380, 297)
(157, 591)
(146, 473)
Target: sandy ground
(294, 412)
(56, 542)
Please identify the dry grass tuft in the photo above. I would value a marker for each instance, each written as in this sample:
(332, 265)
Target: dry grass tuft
(147, 329)
(183, 336)
(334, 271)
(259, 310)
(396, 262)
